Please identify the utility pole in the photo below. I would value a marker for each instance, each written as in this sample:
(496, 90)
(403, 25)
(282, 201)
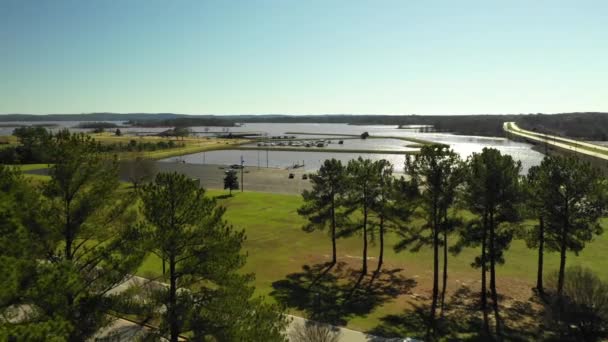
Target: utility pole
(242, 167)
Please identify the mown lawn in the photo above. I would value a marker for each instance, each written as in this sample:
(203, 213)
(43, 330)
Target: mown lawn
(277, 247)
(191, 145)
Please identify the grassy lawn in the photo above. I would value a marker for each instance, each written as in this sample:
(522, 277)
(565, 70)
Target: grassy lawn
(191, 145)
(277, 247)
(8, 141)
(31, 167)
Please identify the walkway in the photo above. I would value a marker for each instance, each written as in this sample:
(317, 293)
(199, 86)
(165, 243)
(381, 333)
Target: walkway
(124, 330)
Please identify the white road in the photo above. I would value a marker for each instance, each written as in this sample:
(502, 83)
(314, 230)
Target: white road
(581, 147)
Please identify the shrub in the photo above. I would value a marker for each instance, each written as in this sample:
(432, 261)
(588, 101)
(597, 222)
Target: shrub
(583, 312)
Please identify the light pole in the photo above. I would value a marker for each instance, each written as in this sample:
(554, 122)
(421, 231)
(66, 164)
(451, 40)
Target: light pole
(242, 167)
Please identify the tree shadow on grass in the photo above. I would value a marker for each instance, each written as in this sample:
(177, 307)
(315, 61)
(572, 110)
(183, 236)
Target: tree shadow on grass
(462, 320)
(335, 295)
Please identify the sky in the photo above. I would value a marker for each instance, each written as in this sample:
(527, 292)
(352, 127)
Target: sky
(303, 57)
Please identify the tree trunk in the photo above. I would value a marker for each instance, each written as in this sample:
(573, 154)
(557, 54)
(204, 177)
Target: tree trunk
(435, 269)
(381, 256)
(562, 262)
(562, 269)
(445, 269)
(435, 276)
(493, 276)
(364, 270)
(484, 291)
(172, 308)
(68, 232)
(334, 259)
(541, 247)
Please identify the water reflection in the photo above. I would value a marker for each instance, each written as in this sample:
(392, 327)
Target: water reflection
(463, 145)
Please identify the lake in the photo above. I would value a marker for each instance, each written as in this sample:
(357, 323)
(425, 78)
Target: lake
(463, 145)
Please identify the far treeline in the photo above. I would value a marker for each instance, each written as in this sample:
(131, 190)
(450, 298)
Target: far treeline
(583, 125)
(35, 145)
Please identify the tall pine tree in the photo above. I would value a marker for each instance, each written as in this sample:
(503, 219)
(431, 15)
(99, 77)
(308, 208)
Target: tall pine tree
(206, 295)
(323, 204)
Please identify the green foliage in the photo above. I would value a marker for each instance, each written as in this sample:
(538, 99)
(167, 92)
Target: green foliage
(533, 196)
(19, 250)
(231, 181)
(101, 125)
(34, 145)
(436, 173)
(323, 204)
(573, 198)
(187, 230)
(138, 170)
(75, 262)
(493, 192)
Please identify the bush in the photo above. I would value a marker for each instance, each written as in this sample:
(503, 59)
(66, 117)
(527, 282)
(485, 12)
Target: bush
(314, 332)
(583, 313)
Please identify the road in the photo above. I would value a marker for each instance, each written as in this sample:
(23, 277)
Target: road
(581, 147)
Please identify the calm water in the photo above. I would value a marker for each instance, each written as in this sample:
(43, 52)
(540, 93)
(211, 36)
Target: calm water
(463, 145)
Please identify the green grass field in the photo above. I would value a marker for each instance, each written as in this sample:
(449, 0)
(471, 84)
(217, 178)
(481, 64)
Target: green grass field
(191, 145)
(277, 247)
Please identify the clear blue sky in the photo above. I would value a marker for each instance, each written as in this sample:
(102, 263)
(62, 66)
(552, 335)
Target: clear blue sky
(303, 57)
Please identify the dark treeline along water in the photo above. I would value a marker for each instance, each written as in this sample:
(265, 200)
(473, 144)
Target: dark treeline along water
(582, 125)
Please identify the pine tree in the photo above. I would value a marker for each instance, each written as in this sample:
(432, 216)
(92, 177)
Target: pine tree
(322, 204)
(85, 246)
(231, 181)
(207, 295)
(493, 193)
(362, 187)
(438, 172)
(535, 237)
(574, 197)
(383, 204)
